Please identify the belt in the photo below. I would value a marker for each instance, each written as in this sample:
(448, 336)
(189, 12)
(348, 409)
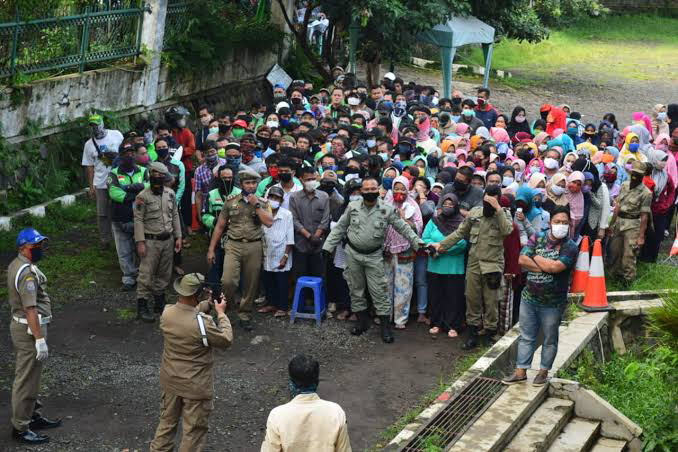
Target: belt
(41, 319)
(244, 240)
(629, 216)
(358, 250)
(163, 236)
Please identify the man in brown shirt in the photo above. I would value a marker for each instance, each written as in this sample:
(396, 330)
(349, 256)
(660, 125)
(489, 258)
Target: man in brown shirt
(186, 375)
(31, 313)
(240, 220)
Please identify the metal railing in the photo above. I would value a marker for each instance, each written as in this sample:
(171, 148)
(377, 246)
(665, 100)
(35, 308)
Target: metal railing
(69, 42)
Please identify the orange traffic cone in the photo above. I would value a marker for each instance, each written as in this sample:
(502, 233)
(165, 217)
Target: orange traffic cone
(595, 295)
(674, 248)
(581, 271)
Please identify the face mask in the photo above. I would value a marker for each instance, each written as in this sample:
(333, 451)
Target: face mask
(586, 189)
(98, 131)
(574, 188)
(519, 175)
(36, 254)
(327, 186)
(468, 113)
(551, 163)
(143, 160)
(449, 211)
(157, 184)
(434, 101)
(213, 130)
(633, 147)
(572, 130)
(205, 120)
(609, 177)
(127, 162)
(543, 147)
(371, 143)
(181, 123)
(460, 186)
(353, 101)
(227, 185)
(370, 197)
(355, 198)
(211, 160)
(636, 179)
(285, 177)
(520, 119)
(148, 137)
(488, 210)
(506, 181)
(296, 100)
(387, 183)
(557, 190)
(399, 197)
(661, 116)
(272, 124)
(238, 132)
(162, 153)
(223, 129)
(285, 122)
(559, 231)
(274, 204)
(384, 156)
(233, 161)
(311, 185)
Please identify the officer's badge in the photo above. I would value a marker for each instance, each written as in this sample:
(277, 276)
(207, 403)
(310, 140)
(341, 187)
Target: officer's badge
(30, 285)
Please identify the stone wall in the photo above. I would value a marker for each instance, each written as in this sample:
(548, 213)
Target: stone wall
(669, 6)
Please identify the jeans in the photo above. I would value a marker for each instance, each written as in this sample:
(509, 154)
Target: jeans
(276, 285)
(421, 283)
(126, 249)
(534, 318)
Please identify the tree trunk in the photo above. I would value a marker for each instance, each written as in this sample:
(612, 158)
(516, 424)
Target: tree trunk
(372, 70)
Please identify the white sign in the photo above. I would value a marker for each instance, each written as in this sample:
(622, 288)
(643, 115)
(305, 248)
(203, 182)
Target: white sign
(278, 76)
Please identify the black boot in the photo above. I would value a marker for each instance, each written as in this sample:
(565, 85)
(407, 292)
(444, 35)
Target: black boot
(386, 333)
(39, 423)
(143, 313)
(472, 341)
(363, 323)
(490, 337)
(158, 303)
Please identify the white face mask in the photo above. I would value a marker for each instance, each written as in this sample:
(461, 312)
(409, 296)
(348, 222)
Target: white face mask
(274, 204)
(520, 119)
(557, 190)
(311, 185)
(551, 163)
(661, 116)
(559, 231)
(272, 124)
(543, 147)
(371, 143)
(506, 181)
(355, 198)
(353, 101)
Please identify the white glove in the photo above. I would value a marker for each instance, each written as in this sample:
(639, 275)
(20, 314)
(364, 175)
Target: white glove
(41, 348)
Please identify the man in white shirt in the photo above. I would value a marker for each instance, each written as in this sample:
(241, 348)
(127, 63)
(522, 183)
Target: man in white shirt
(307, 423)
(97, 158)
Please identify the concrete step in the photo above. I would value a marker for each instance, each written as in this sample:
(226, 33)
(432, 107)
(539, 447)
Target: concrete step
(543, 426)
(608, 445)
(496, 426)
(577, 436)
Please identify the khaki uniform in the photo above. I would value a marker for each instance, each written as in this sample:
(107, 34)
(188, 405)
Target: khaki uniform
(26, 285)
(156, 222)
(486, 256)
(623, 244)
(243, 251)
(307, 424)
(365, 229)
(186, 375)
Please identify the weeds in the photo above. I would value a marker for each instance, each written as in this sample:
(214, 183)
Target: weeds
(650, 276)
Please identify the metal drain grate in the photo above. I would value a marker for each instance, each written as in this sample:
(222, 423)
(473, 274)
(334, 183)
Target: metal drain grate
(457, 416)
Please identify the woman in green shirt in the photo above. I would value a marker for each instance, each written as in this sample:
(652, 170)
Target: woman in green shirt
(446, 299)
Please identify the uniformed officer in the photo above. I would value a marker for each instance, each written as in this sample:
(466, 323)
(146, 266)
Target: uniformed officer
(629, 223)
(241, 219)
(31, 313)
(485, 228)
(364, 225)
(186, 375)
(157, 233)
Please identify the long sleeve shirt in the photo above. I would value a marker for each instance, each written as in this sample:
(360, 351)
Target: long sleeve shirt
(310, 212)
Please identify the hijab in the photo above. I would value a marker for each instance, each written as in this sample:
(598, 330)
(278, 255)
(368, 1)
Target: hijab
(576, 200)
(558, 200)
(447, 225)
(625, 154)
(500, 135)
(536, 179)
(556, 119)
(660, 177)
(514, 127)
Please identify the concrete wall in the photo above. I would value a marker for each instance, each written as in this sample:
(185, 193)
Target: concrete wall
(647, 5)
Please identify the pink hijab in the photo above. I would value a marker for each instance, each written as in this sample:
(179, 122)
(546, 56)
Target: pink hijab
(576, 200)
(639, 116)
(461, 128)
(500, 135)
(396, 243)
(540, 138)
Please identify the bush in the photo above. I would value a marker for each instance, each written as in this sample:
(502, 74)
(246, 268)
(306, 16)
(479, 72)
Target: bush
(561, 13)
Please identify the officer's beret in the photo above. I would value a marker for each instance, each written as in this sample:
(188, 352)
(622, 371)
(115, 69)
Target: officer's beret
(638, 167)
(248, 174)
(159, 167)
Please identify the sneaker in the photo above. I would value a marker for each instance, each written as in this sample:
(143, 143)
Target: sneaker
(513, 379)
(128, 287)
(540, 379)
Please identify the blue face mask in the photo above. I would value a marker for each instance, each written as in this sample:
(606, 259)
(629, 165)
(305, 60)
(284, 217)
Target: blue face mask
(384, 156)
(387, 182)
(633, 147)
(284, 122)
(455, 118)
(233, 161)
(258, 153)
(572, 130)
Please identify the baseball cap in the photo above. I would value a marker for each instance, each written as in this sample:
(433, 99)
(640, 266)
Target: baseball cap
(29, 236)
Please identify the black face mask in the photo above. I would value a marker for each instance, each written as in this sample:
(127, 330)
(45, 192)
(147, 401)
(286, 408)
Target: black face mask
(127, 163)
(285, 177)
(488, 210)
(636, 179)
(223, 129)
(264, 142)
(162, 153)
(226, 186)
(327, 186)
(370, 197)
(352, 170)
(449, 212)
(36, 254)
(157, 184)
(460, 186)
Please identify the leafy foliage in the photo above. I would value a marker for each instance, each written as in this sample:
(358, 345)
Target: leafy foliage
(664, 321)
(562, 13)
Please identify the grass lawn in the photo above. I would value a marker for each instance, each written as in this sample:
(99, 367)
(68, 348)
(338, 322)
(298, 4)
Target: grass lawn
(638, 47)
(649, 277)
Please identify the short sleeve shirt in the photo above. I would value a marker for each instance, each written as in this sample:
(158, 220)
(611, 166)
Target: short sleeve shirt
(549, 289)
(90, 157)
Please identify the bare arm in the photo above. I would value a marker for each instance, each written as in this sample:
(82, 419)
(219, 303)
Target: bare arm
(528, 264)
(549, 265)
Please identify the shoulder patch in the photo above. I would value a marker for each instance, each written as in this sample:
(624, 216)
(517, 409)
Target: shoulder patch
(30, 284)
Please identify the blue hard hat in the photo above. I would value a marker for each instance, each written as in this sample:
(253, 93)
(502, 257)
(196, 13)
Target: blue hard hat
(29, 236)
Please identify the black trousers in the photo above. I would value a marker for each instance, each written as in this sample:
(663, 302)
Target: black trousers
(654, 238)
(276, 285)
(447, 303)
(186, 207)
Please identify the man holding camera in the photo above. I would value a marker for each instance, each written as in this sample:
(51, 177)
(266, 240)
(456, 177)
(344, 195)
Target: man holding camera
(186, 375)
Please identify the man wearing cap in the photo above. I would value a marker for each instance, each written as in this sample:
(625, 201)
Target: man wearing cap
(125, 182)
(186, 376)
(31, 313)
(157, 232)
(629, 222)
(240, 220)
(97, 158)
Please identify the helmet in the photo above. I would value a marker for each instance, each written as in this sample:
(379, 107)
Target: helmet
(29, 236)
(351, 186)
(175, 112)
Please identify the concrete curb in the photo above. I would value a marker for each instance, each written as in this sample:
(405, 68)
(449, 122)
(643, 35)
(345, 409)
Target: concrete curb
(39, 210)
(476, 69)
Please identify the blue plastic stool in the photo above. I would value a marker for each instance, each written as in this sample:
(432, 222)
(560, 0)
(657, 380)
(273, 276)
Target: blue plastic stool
(318, 288)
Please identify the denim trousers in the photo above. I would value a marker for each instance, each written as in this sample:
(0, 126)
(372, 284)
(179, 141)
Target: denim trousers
(533, 318)
(125, 246)
(421, 283)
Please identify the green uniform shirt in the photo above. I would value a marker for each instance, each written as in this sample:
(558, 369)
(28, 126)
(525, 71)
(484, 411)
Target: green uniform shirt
(632, 202)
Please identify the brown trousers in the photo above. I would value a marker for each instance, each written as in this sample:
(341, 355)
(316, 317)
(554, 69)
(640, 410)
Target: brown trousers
(26, 375)
(155, 269)
(104, 215)
(245, 258)
(194, 415)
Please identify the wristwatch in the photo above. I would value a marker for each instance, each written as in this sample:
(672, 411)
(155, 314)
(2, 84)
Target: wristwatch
(286, 256)
(257, 205)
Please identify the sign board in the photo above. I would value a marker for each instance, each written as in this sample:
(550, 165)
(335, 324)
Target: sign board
(278, 76)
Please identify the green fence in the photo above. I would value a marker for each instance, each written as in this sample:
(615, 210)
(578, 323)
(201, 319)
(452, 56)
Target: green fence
(69, 42)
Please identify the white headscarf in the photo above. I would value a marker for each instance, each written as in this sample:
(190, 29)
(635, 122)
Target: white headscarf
(659, 176)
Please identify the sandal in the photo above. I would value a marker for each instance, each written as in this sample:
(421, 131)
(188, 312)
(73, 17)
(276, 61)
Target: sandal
(343, 315)
(452, 333)
(280, 313)
(422, 318)
(266, 309)
(353, 318)
(399, 327)
(434, 330)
